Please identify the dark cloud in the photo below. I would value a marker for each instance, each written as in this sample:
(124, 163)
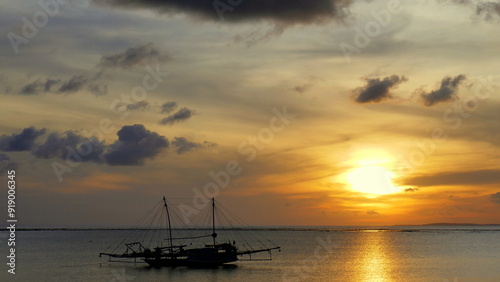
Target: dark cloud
(208, 144)
(279, 11)
(260, 35)
(60, 145)
(74, 84)
(446, 91)
(135, 144)
(6, 164)
(181, 115)
(495, 198)
(137, 55)
(486, 9)
(23, 141)
(372, 213)
(302, 88)
(411, 190)
(98, 89)
(49, 83)
(139, 106)
(183, 145)
(36, 87)
(480, 177)
(32, 88)
(168, 107)
(376, 90)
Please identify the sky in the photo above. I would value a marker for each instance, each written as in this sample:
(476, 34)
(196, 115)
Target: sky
(325, 112)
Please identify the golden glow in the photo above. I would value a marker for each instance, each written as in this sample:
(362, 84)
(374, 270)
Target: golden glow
(375, 263)
(371, 179)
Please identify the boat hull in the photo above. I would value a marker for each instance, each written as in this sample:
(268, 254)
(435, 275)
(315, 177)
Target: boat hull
(191, 262)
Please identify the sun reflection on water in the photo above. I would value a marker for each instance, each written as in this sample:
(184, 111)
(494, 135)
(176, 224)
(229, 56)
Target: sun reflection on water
(374, 260)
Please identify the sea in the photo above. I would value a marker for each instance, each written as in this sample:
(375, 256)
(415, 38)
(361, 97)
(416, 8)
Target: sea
(397, 253)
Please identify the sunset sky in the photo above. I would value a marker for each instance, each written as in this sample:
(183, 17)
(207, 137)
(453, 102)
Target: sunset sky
(324, 112)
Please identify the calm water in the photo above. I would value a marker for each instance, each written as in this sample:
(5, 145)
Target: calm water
(434, 254)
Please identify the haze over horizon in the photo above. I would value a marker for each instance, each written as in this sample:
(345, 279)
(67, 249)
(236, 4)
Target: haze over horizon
(325, 112)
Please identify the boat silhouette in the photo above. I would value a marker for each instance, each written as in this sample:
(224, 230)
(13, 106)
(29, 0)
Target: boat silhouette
(172, 255)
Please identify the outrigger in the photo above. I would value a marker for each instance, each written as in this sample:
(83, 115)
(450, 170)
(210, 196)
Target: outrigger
(209, 255)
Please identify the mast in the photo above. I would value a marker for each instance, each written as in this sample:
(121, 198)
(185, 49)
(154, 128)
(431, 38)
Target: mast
(169, 225)
(213, 220)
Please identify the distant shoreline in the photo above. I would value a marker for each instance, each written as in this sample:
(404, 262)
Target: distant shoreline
(271, 228)
(453, 224)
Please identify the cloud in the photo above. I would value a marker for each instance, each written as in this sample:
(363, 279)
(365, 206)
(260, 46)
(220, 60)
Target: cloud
(181, 115)
(487, 9)
(59, 86)
(139, 106)
(134, 141)
(260, 35)
(168, 107)
(23, 141)
(278, 11)
(302, 88)
(184, 146)
(411, 190)
(60, 145)
(135, 144)
(377, 90)
(98, 89)
(36, 87)
(6, 163)
(495, 198)
(137, 55)
(479, 177)
(305, 87)
(446, 91)
(31, 88)
(74, 84)
(372, 213)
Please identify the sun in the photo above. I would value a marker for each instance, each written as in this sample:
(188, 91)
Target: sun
(372, 180)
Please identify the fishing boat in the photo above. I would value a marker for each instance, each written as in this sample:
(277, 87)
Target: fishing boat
(172, 254)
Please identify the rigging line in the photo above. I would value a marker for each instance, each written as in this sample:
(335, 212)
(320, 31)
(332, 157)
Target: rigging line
(150, 231)
(230, 225)
(161, 220)
(161, 227)
(181, 222)
(251, 233)
(189, 231)
(201, 219)
(240, 221)
(150, 224)
(174, 215)
(230, 235)
(130, 231)
(245, 242)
